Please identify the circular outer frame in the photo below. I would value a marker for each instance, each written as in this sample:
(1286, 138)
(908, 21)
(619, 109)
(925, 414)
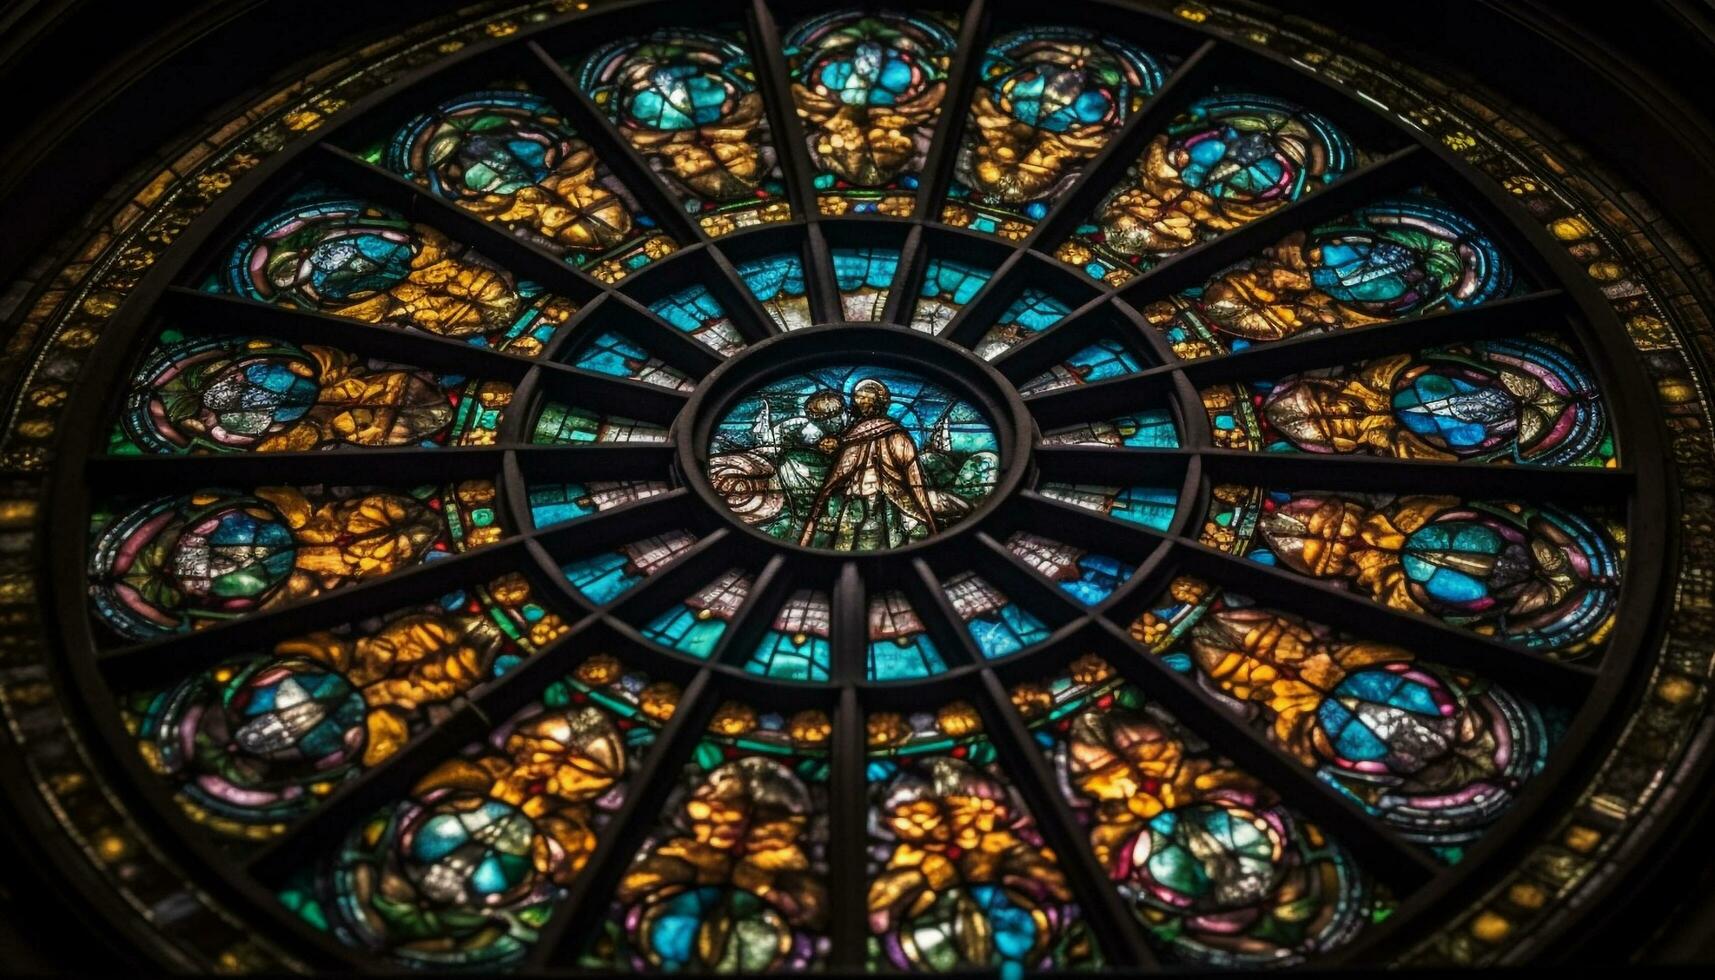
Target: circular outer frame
(1468, 913)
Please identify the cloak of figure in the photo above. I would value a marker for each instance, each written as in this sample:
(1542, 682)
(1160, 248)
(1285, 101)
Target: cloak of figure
(875, 496)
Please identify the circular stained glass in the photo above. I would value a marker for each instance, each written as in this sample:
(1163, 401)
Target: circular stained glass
(853, 458)
(887, 489)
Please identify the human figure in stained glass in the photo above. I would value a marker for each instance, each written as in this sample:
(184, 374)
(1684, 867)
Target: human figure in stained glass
(875, 495)
(852, 458)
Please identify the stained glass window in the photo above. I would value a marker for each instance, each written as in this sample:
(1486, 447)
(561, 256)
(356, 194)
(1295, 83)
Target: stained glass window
(882, 489)
(869, 87)
(688, 101)
(509, 156)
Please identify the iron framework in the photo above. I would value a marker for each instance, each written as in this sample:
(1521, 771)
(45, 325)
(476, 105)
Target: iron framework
(1639, 487)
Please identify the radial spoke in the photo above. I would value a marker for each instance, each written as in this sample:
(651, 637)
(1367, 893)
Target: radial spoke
(355, 799)
(1380, 851)
(1180, 88)
(962, 76)
(687, 572)
(1397, 171)
(1441, 642)
(943, 621)
(991, 301)
(614, 527)
(756, 614)
(848, 834)
(996, 563)
(1039, 352)
(907, 279)
(193, 309)
(661, 338)
(848, 628)
(1116, 930)
(586, 903)
(574, 331)
(610, 145)
(1293, 471)
(1085, 528)
(471, 720)
(752, 322)
(820, 283)
(1111, 464)
(1108, 166)
(776, 84)
(596, 461)
(388, 189)
(1510, 317)
(613, 395)
(360, 465)
(130, 667)
(1100, 399)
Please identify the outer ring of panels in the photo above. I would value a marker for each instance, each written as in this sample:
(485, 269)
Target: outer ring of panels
(1430, 893)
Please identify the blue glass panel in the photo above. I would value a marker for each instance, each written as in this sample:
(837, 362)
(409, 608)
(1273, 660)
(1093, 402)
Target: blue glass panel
(864, 277)
(696, 311)
(609, 353)
(605, 576)
(777, 282)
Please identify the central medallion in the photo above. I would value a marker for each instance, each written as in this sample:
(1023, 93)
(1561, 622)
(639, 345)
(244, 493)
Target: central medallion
(839, 446)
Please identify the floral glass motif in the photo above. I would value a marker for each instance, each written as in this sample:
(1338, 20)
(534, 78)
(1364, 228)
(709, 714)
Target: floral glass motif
(853, 458)
(606, 575)
(194, 393)
(1214, 865)
(960, 877)
(509, 156)
(258, 740)
(868, 87)
(864, 277)
(1541, 576)
(552, 503)
(465, 870)
(777, 282)
(997, 624)
(192, 560)
(1438, 754)
(1047, 100)
(899, 643)
(1230, 159)
(610, 353)
(1528, 401)
(327, 252)
(696, 311)
(695, 626)
(796, 646)
(687, 100)
(1087, 576)
(1403, 256)
(733, 876)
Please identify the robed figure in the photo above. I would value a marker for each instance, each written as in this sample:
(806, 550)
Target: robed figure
(874, 495)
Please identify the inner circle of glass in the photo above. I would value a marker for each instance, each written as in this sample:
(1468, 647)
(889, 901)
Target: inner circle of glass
(1308, 565)
(853, 457)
